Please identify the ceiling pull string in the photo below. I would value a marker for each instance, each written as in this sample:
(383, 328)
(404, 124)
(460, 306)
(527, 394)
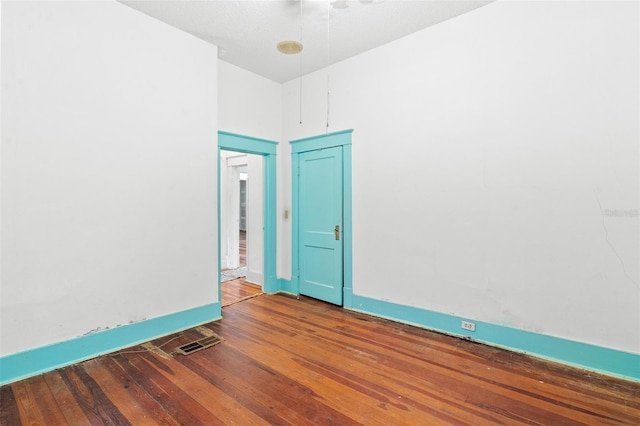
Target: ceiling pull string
(328, 63)
(300, 64)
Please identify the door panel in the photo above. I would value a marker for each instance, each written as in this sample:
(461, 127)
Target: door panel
(320, 197)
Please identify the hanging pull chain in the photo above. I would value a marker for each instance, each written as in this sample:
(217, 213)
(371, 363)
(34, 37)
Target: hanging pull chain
(328, 62)
(300, 64)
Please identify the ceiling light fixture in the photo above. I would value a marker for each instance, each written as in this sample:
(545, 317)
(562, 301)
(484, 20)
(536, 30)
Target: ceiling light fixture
(290, 47)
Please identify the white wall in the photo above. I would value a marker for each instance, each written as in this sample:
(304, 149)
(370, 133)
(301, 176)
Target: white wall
(491, 153)
(251, 105)
(248, 104)
(109, 124)
(255, 219)
(1, 116)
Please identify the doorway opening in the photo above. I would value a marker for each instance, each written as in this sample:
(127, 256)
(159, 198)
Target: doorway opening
(252, 161)
(242, 225)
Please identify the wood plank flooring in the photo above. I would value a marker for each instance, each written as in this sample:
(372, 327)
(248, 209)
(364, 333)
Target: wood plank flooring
(289, 361)
(237, 290)
(242, 248)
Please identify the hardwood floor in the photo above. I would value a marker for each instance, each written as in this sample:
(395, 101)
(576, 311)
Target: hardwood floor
(237, 290)
(288, 361)
(243, 248)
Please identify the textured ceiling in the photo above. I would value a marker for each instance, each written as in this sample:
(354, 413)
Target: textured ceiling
(247, 32)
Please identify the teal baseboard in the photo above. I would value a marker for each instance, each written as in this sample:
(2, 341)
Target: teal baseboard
(595, 358)
(47, 358)
(286, 286)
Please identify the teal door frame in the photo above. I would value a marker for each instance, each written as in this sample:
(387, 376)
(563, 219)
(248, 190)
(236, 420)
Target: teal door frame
(267, 149)
(298, 146)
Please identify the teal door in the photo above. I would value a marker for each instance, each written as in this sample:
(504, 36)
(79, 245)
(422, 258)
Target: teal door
(320, 224)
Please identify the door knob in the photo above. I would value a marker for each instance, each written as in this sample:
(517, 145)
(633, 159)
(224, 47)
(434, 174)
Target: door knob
(337, 231)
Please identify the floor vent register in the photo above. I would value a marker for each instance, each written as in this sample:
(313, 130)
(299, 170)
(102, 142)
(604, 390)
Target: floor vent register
(198, 345)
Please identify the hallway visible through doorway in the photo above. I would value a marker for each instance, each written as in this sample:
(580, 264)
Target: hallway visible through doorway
(228, 274)
(236, 288)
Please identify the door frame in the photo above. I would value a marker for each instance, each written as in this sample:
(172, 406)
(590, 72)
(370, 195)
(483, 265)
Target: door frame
(267, 149)
(298, 146)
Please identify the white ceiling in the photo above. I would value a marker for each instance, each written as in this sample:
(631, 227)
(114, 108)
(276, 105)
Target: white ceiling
(247, 31)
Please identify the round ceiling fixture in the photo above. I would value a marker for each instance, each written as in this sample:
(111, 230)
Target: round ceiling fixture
(290, 47)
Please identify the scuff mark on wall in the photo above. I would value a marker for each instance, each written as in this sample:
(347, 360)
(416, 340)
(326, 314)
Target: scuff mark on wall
(99, 329)
(95, 330)
(606, 237)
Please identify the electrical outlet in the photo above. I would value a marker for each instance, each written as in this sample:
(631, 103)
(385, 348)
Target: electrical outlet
(469, 326)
